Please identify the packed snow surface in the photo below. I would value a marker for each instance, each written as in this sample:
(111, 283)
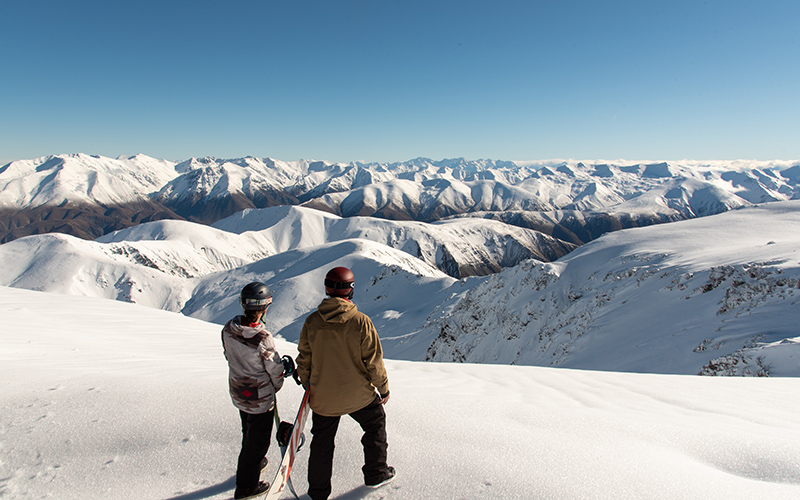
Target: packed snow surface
(103, 399)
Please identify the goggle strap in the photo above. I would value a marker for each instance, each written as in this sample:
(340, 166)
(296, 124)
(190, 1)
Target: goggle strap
(338, 285)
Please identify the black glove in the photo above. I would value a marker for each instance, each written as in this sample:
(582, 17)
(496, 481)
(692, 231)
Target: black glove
(288, 366)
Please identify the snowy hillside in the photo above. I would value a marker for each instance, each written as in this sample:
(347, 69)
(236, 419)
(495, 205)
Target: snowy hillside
(106, 405)
(182, 266)
(718, 295)
(159, 263)
(396, 290)
(78, 426)
(163, 262)
(457, 247)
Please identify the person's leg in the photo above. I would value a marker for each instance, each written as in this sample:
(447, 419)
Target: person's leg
(256, 430)
(320, 460)
(372, 420)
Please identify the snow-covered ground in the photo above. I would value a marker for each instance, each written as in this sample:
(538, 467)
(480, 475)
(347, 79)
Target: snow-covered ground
(109, 400)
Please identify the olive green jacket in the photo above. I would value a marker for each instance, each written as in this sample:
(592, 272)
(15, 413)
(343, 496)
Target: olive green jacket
(341, 356)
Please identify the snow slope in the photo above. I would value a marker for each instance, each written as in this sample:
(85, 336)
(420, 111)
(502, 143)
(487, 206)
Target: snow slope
(158, 263)
(717, 295)
(396, 290)
(461, 247)
(63, 264)
(125, 402)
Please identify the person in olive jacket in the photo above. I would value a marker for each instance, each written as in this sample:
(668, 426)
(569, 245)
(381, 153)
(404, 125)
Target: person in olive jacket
(340, 360)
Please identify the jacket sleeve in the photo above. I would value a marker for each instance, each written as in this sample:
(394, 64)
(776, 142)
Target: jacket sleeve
(304, 356)
(222, 337)
(372, 356)
(272, 363)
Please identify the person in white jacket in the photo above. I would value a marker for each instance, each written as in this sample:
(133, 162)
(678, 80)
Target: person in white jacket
(255, 375)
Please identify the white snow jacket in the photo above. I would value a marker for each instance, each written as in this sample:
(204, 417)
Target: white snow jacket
(255, 370)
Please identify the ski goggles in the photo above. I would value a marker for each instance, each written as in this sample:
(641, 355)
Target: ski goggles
(339, 285)
(255, 303)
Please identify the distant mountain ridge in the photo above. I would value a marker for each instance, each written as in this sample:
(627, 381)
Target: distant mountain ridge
(88, 196)
(716, 295)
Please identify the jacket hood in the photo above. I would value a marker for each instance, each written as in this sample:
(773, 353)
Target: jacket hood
(237, 327)
(337, 310)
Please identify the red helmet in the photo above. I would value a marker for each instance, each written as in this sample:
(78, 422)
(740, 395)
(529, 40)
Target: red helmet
(340, 282)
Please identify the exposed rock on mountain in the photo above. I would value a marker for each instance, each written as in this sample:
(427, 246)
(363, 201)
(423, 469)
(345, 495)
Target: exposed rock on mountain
(88, 221)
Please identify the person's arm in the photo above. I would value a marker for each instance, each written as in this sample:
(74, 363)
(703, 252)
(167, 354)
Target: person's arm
(372, 356)
(272, 364)
(304, 357)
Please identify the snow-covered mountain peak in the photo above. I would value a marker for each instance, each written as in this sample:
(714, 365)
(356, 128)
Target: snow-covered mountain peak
(195, 164)
(79, 178)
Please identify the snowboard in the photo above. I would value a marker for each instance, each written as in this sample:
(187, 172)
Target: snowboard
(279, 485)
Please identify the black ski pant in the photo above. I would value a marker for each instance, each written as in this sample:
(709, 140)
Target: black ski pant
(372, 420)
(256, 431)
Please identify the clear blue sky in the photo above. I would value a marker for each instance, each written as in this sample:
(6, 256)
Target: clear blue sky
(389, 80)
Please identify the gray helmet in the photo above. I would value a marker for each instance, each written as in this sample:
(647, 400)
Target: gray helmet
(255, 296)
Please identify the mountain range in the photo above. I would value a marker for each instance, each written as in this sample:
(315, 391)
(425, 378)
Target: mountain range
(104, 336)
(715, 295)
(467, 261)
(89, 196)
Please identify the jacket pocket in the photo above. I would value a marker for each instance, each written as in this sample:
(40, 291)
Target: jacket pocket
(244, 389)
